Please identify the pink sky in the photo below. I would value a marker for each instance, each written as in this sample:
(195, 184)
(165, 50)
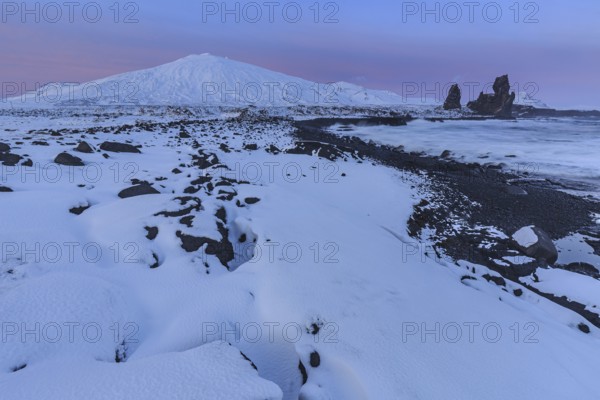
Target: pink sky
(370, 46)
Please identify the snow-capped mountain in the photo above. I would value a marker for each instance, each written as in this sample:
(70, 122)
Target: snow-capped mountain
(205, 80)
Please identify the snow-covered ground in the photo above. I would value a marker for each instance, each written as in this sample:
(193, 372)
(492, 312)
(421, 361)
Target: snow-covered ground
(325, 293)
(576, 287)
(565, 148)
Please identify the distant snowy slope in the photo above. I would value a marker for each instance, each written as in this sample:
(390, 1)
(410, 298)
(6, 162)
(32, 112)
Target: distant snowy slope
(527, 99)
(205, 80)
(355, 94)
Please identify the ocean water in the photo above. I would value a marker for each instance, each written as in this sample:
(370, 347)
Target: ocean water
(564, 150)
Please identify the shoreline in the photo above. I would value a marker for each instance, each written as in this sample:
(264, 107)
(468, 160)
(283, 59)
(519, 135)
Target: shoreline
(478, 196)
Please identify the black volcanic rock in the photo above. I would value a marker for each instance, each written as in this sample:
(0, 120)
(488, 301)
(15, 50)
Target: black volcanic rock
(315, 359)
(4, 148)
(584, 328)
(79, 210)
(84, 147)
(152, 232)
(138, 190)
(10, 159)
(223, 249)
(117, 147)
(453, 100)
(498, 104)
(302, 369)
(542, 249)
(68, 159)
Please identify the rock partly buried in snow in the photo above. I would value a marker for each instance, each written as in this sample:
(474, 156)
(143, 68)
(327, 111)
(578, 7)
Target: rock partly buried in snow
(4, 189)
(581, 268)
(303, 372)
(453, 100)
(156, 263)
(498, 104)
(84, 147)
(315, 359)
(4, 147)
(446, 154)
(10, 159)
(80, 209)
(68, 159)
(117, 147)
(498, 280)
(222, 249)
(535, 243)
(152, 232)
(138, 190)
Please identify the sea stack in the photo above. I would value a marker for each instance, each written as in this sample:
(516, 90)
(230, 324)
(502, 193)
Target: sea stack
(498, 104)
(453, 100)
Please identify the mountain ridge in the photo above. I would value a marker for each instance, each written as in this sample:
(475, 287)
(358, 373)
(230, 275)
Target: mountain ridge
(206, 79)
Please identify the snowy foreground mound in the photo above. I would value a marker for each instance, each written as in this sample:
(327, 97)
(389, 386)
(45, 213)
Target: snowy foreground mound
(258, 268)
(204, 80)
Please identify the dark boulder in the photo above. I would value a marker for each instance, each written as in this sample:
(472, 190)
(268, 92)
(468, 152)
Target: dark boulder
(117, 147)
(222, 249)
(535, 243)
(446, 154)
(152, 232)
(498, 104)
(498, 280)
(183, 134)
(67, 159)
(205, 161)
(10, 159)
(4, 189)
(80, 209)
(4, 147)
(273, 149)
(156, 262)
(584, 328)
(584, 269)
(303, 372)
(453, 100)
(315, 359)
(84, 147)
(138, 190)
